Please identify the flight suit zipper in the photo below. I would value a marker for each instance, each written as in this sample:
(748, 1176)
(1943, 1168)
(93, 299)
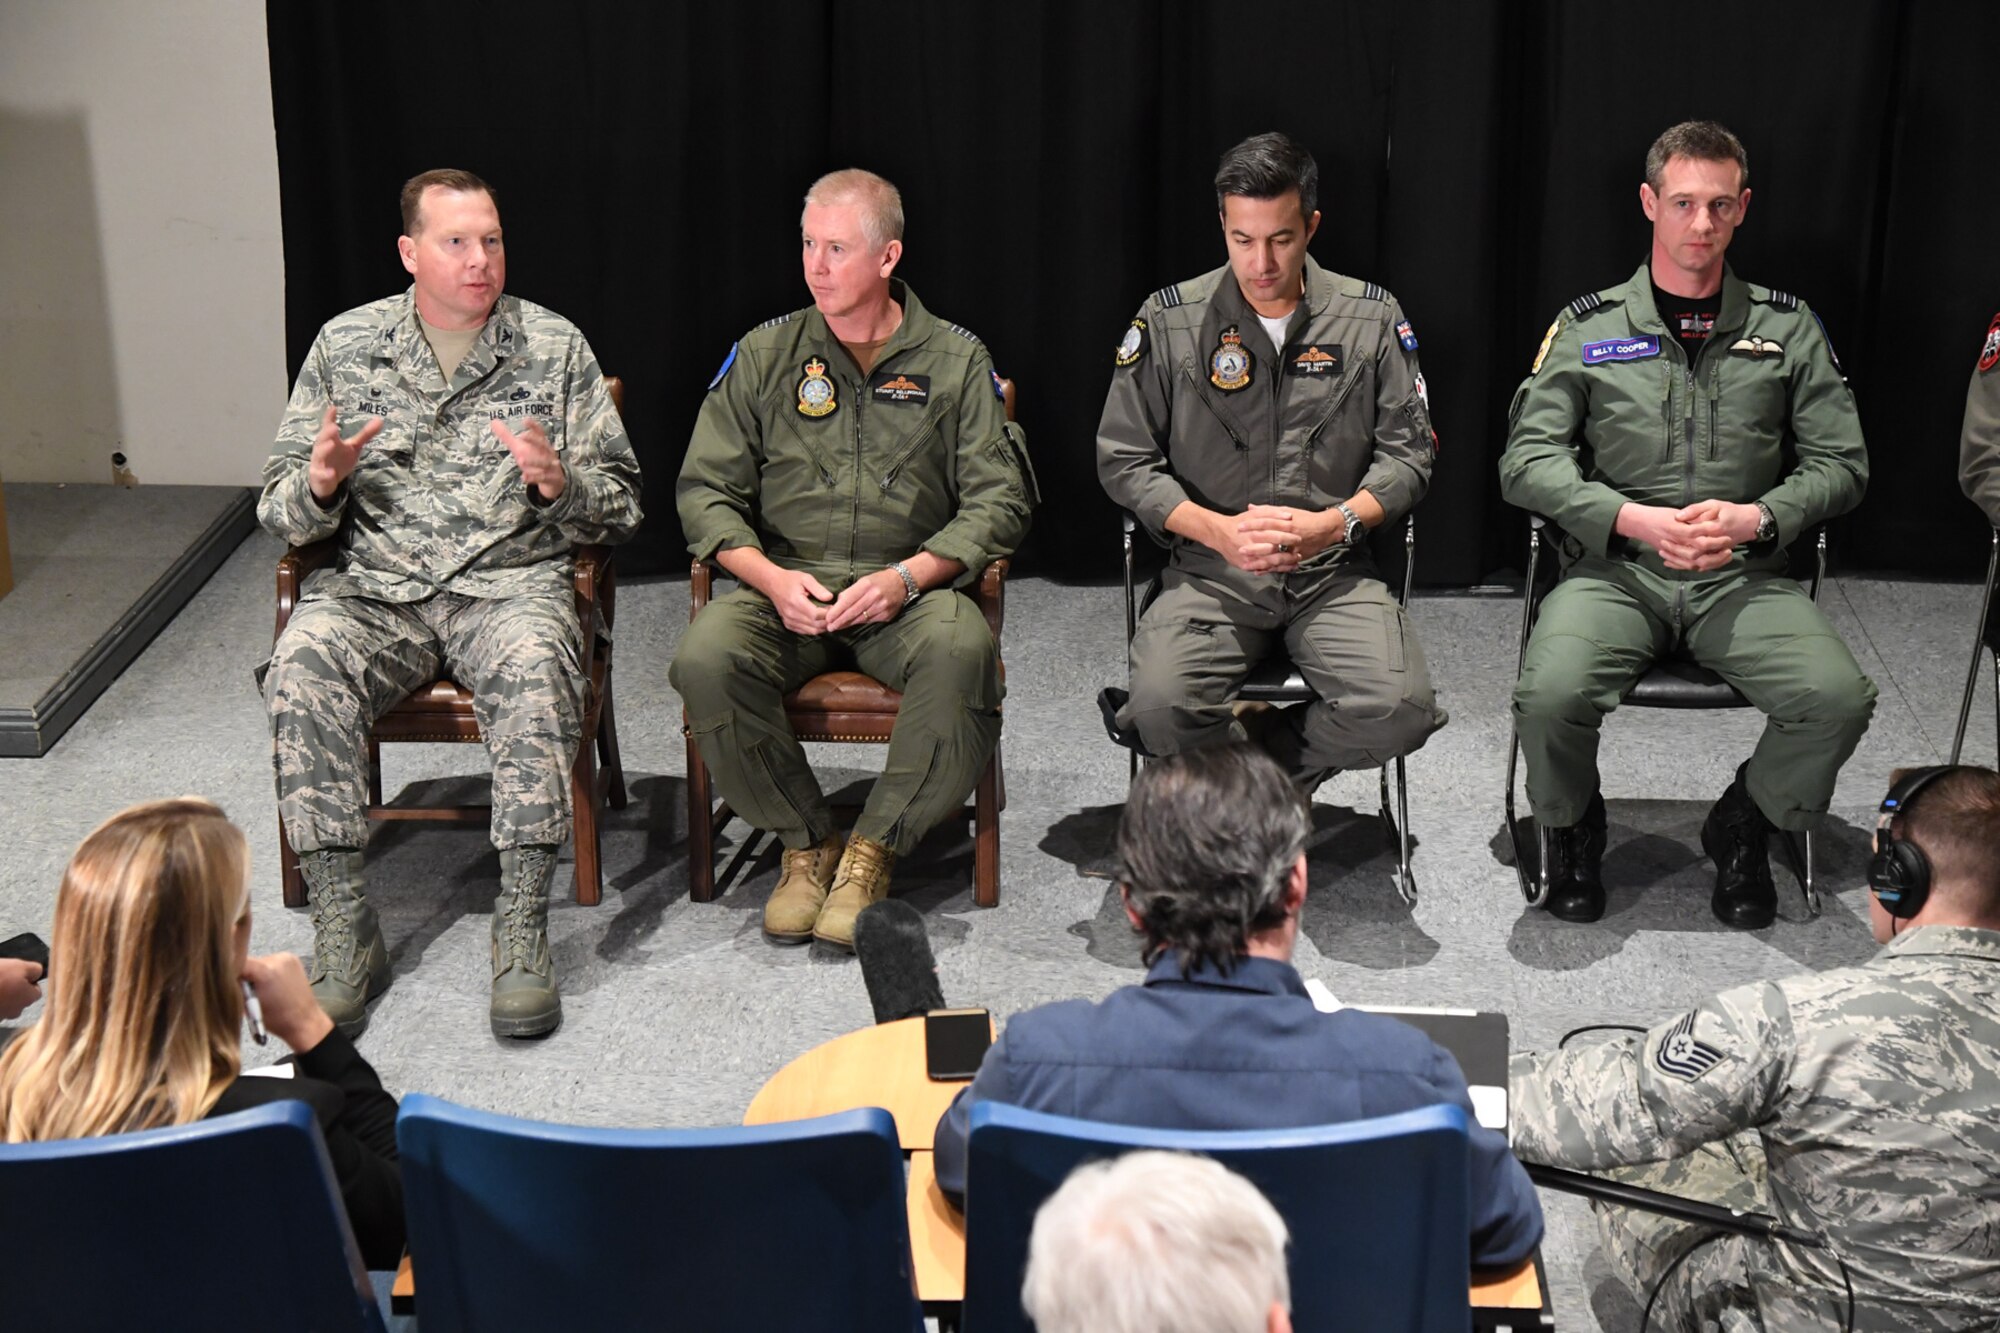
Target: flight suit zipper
(854, 500)
(924, 431)
(1312, 436)
(819, 462)
(1242, 449)
(1714, 413)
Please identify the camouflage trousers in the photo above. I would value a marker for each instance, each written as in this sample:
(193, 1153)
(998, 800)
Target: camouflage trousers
(343, 662)
(737, 662)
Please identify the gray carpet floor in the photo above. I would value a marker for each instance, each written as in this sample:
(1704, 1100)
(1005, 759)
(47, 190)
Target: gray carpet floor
(678, 1011)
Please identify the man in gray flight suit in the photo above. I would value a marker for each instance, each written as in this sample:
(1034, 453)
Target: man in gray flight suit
(1979, 445)
(1262, 418)
(1861, 1104)
(1653, 429)
(482, 447)
(852, 467)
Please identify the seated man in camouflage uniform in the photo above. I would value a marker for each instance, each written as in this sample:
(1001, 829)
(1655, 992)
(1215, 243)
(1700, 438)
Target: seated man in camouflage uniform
(852, 468)
(1861, 1103)
(458, 444)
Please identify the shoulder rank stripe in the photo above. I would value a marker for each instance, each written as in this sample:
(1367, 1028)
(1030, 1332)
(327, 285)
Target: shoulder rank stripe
(1583, 305)
(781, 319)
(963, 332)
(1783, 300)
(1371, 292)
(1168, 297)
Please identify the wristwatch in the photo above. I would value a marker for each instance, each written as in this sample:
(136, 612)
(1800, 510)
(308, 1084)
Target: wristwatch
(1767, 525)
(910, 588)
(1355, 532)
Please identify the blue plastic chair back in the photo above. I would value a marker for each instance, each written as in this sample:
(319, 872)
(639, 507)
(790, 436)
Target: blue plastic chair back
(518, 1224)
(231, 1223)
(1377, 1209)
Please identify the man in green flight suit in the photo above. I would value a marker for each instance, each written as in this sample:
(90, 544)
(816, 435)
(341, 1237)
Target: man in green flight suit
(1654, 429)
(852, 468)
(1979, 445)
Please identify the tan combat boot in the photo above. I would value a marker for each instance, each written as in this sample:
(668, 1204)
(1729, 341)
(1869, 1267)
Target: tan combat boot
(863, 878)
(525, 1001)
(350, 962)
(802, 887)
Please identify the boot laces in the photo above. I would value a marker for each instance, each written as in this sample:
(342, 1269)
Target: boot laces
(524, 915)
(333, 928)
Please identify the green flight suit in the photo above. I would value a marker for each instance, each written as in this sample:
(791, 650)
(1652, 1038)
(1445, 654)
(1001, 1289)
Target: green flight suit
(798, 454)
(1339, 409)
(1979, 446)
(1613, 413)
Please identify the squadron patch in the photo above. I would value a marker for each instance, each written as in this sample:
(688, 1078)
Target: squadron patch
(1548, 340)
(1989, 354)
(1312, 360)
(895, 387)
(1621, 349)
(1681, 1056)
(999, 386)
(1756, 348)
(816, 391)
(1132, 346)
(1406, 336)
(727, 362)
(1229, 365)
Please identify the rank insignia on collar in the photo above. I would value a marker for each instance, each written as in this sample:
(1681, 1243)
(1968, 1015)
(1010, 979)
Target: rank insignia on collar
(1132, 346)
(1229, 367)
(1989, 353)
(1542, 352)
(1756, 348)
(816, 395)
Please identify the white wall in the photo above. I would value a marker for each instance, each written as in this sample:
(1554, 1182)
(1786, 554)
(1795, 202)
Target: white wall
(141, 266)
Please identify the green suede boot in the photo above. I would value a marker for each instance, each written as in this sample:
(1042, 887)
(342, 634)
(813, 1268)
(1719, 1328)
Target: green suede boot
(525, 1002)
(350, 963)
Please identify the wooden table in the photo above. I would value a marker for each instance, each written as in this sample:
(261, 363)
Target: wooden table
(876, 1066)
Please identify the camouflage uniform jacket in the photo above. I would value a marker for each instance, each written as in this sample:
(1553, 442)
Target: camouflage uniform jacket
(1979, 446)
(1612, 412)
(436, 502)
(1339, 409)
(1876, 1092)
(797, 454)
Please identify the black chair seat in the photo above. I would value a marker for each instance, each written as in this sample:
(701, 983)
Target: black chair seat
(1681, 682)
(1276, 681)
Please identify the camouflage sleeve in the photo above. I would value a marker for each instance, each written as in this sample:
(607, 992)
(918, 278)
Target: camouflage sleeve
(1132, 434)
(600, 499)
(1979, 444)
(287, 508)
(1832, 471)
(1405, 445)
(993, 504)
(717, 490)
(1706, 1075)
(1540, 470)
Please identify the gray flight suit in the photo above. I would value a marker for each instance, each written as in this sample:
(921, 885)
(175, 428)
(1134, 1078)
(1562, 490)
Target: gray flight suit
(1339, 409)
(1611, 413)
(1979, 445)
(447, 565)
(799, 455)
(1862, 1104)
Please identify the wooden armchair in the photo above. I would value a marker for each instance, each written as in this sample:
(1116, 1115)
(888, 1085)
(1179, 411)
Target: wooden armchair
(848, 706)
(442, 711)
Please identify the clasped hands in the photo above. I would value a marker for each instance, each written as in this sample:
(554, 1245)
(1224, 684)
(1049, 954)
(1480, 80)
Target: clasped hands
(1698, 537)
(807, 608)
(335, 457)
(1273, 539)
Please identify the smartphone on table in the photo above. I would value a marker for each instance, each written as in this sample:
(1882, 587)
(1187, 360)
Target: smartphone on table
(955, 1040)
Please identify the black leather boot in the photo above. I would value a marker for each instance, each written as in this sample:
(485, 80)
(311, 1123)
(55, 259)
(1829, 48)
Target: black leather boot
(1576, 866)
(1735, 837)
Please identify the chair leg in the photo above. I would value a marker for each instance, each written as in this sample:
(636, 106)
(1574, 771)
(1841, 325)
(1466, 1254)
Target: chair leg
(1406, 882)
(986, 833)
(374, 771)
(1811, 890)
(584, 830)
(700, 826)
(1534, 889)
(288, 867)
(607, 748)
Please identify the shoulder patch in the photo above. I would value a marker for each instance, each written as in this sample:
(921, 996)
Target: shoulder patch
(1782, 300)
(1542, 352)
(727, 362)
(999, 388)
(1583, 305)
(1989, 351)
(1168, 297)
(1132, 346)
(964, 333)
(1680, 1056)
(1372, 292)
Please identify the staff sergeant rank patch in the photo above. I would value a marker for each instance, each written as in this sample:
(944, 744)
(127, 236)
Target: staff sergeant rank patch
(895, 387)
(1132, 346)
(816, 391)
(1229, 365)
(1621, 349)
(1311, 360)
(1681, 1056)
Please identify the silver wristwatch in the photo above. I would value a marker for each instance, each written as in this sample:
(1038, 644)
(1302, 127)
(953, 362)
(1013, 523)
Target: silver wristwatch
(911, 590)
(1767, 524)
(1355, 532)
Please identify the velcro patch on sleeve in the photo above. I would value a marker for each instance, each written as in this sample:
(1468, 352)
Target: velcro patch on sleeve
(1680, 1056)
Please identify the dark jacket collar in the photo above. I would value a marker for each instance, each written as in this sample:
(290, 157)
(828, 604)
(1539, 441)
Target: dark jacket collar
(1260, 976)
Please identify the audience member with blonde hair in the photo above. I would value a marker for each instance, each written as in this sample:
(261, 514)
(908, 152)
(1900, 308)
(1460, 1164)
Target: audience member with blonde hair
(1158, 1242)
(144, 1016)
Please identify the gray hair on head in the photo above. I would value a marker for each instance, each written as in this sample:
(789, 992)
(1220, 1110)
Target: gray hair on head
(881, 203)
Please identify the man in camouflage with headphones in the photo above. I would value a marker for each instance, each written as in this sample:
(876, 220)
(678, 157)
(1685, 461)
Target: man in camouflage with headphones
(1862, 1104)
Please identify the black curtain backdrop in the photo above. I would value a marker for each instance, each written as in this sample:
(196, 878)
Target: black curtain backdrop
(1481, 160)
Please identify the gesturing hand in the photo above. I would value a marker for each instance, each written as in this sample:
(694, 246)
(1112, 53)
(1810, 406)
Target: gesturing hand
(541, 466)
(332, 457)
(801, 600)
(876, 599)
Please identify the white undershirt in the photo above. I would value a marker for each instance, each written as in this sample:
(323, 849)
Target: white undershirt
(1276, 328)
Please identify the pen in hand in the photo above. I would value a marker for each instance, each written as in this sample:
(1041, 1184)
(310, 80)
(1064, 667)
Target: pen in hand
(258, 1033)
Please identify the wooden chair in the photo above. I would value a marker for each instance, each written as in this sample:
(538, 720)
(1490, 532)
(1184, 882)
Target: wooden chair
(850, 707)
(442, 711)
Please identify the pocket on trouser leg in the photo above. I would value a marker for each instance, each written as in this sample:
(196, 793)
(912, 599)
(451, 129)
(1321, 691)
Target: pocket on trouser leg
(746, 776)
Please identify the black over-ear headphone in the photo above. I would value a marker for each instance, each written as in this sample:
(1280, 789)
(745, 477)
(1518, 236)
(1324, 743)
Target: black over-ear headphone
(1899, 873)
